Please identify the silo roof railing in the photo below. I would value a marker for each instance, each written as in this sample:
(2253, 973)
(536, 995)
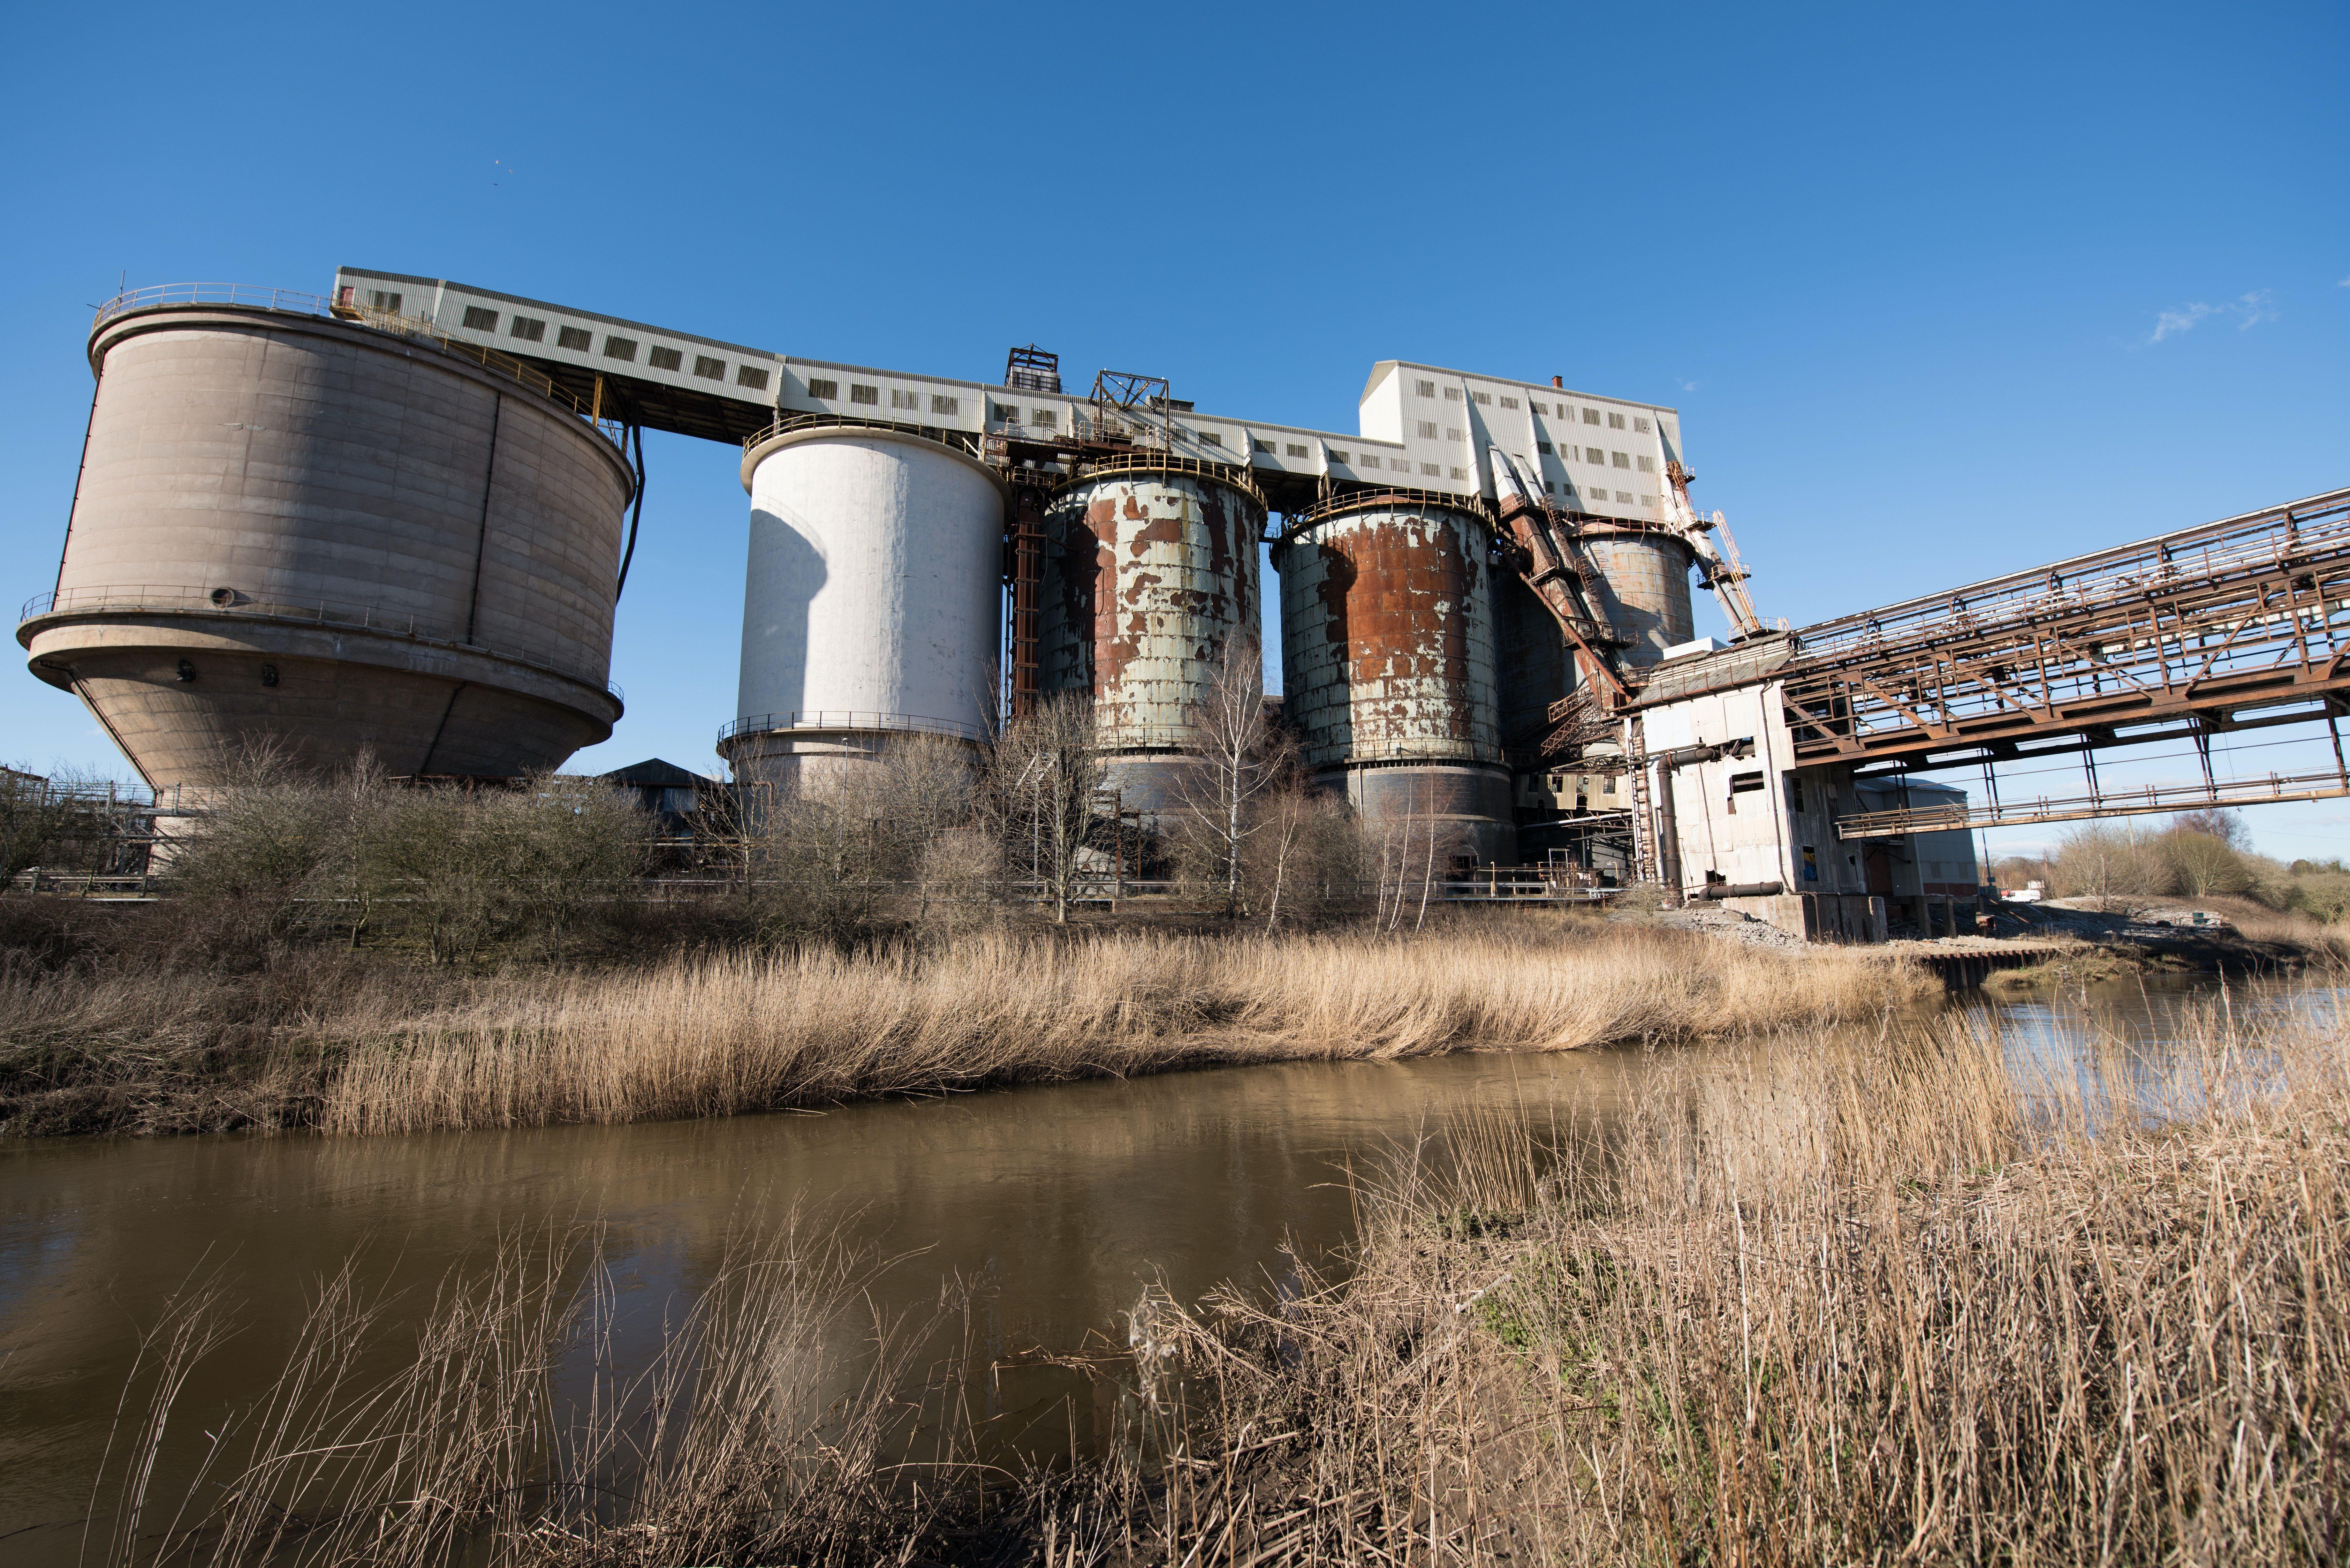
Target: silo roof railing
(153, 600)
(846, 719)
(1157, 461)
(1363, 495)
(958, 440)
(254, 296)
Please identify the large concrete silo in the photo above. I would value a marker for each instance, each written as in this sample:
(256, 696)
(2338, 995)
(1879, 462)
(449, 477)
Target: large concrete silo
(1153, 570)
(305, 532)
(1387, 663)
(1643, 588)
(873, 602)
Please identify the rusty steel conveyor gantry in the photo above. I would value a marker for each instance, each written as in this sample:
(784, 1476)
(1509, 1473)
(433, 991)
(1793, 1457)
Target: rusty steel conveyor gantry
(2236, 625)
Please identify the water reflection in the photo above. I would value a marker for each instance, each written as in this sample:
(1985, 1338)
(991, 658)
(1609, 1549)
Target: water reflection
(1060, 1204)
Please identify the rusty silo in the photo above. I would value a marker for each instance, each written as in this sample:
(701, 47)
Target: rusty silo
(1154, 569)
(335, 535)
(1387, 662)
(1642, 589)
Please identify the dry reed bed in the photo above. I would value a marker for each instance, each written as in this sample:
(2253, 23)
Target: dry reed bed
(1859, 1306)
(728, 1034)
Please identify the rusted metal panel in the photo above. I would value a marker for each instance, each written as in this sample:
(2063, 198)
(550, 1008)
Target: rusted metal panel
(1151, 574)
(1643, 589)
(1388, 638)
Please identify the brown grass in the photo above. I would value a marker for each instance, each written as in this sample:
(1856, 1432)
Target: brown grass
(1810, 1302)
(720, 1036)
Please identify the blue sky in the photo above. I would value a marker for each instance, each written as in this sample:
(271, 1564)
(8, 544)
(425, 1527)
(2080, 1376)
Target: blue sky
(1940, 292)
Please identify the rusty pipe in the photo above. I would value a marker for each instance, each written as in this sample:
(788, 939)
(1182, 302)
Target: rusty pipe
(1742, 889)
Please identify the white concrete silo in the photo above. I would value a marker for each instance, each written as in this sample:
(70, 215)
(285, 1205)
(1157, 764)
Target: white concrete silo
(872, 605)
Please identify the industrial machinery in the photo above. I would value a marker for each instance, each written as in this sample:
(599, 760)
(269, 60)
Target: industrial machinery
(329, 532)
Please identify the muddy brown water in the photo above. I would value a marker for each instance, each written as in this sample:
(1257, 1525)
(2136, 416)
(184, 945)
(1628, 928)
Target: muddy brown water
(1058, 1203)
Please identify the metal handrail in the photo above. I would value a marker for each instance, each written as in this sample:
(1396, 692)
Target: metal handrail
(1476, 506)
(845, 719)
(161, 599)
(787, 423)
(1165, 462)
(417, 328)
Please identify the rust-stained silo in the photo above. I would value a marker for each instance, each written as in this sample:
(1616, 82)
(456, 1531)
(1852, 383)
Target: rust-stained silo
(1643, 588)
(334, 537)
(1387, 663)
(1153, 568)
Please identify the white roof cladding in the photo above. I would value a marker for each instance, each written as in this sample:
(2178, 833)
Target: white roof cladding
(1610, 464)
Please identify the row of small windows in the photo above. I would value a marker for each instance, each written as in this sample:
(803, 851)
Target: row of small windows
(532, 329)
(1614, 420)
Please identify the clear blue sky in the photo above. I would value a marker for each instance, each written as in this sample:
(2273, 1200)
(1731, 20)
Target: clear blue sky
(1940, 291)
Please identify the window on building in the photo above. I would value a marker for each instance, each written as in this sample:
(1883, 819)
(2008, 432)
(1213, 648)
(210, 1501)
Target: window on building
(1591, 455)
(1451, 394)
(1509, 403)
(529, 330)
(1615, 422)
(1543, 447)
(1484, 398)
(1550, 486)
(1645, 464)
(752, 377)
(1211, 438)
(1004, 413)
(1742, 782)
(1608, 784)
(574, 337)
(709, 370)
(1591, 416)
(664, 359)
(902, 398)
(1368, 460)
(620, 348)
(1460, 473)
(480, 320)
(383, 301)
(1430, 470)
(1624, 498)
(1539, 408)
(942, 405)
(1621, 460)
(1337, 456)
(1648, 501)
(1294, 448)
(1042, 419)
(860, 393)
(1641, 425)
(1425, 389)
(1428, 429)
(825, 389)
(1256, 445)
(1794, 793)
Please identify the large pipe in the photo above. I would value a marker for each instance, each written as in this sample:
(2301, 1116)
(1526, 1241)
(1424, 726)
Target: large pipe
(1742, 889)
(1668, 838)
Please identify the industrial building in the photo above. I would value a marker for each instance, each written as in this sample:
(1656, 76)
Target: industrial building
(396, 518)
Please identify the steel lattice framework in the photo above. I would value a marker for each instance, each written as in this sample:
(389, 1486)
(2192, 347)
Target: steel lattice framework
(2181, 634)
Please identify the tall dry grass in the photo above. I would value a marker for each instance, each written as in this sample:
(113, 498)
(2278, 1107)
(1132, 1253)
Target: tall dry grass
(1865, 1305)
(720, 1036)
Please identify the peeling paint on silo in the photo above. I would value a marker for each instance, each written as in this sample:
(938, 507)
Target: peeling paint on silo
(1387, 637)
(1150, 572)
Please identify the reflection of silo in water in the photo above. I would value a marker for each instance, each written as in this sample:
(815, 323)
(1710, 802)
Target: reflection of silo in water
(1387, 663)
(872, 602)
(1642, 589)
(334, 539)
(1154, 568)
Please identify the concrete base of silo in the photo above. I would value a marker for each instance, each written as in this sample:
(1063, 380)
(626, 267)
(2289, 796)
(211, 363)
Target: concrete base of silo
(186, 695)
(1467, 806)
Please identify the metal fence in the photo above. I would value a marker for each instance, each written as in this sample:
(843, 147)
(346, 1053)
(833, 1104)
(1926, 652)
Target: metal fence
(849, 720)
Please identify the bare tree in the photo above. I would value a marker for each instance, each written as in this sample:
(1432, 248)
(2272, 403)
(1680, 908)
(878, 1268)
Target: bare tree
(1036, 796)
(2216, 822)
(1236, 761)
(2115, 866)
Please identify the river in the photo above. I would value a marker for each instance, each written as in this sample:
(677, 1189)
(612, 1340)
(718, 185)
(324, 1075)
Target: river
(1058, 1203)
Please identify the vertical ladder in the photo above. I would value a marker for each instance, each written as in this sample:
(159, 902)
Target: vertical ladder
(1644, 828)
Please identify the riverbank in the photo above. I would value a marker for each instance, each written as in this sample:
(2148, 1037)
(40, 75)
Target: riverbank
(316, 1038)
(1800, 1300)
